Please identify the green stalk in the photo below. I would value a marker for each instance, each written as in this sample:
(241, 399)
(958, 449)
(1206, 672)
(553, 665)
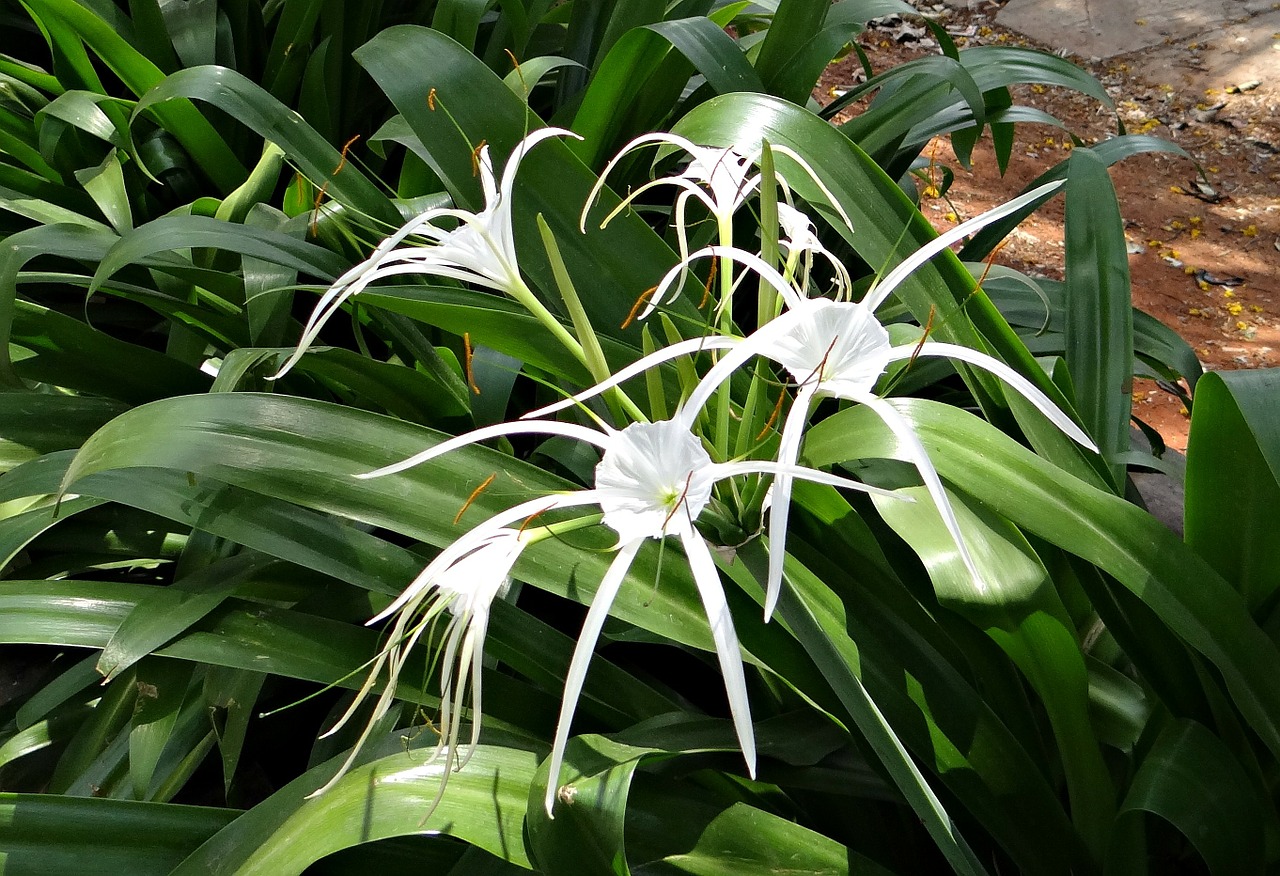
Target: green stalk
(726, 326)
(595, 363)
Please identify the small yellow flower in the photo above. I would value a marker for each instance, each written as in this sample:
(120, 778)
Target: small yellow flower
(1212, 169)
(1037, 89)
(1183, 410)
(1250, 231)
(1195, 220)
(1256, 308)
(1140, 22)
(1194, 311)
(1242, 326)
(1227, 293)
(1195, 232)
(951, 217)
(1235, 308)
(1203, 285)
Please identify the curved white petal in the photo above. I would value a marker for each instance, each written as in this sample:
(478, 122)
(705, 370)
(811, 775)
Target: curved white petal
(725, 637)
(813, 175)
(550, 427)
(881, 290)
(478, 535)
(733, 254)
(533, 138)
(642, 140)
(903, 432)
(1025, 387)
(657, 357)
(804, 473)
(755, 344)
(596, 614)
(690, 189)
(780, 514)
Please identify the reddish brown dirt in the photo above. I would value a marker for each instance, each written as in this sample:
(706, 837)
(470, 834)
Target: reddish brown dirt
(1172, 233)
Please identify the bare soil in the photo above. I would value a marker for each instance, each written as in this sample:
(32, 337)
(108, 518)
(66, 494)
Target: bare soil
(1204, 251)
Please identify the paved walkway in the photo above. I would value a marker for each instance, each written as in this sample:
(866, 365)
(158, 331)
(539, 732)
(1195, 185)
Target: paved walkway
(1244, 34)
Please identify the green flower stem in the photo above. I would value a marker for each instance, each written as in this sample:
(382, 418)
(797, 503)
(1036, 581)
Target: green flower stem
(536, 534)
(723, 422)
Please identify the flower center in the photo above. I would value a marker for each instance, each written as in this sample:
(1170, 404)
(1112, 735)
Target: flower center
(839, 344)
(654, 479)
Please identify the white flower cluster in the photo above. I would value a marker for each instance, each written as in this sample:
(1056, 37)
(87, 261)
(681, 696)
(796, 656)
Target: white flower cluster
(655, 479)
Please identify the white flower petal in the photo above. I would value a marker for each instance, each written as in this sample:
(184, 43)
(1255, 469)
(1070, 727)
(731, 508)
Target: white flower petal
(657, 357)
(915, 451)
(577, 675)
(733, 254)
(725, 637)
(550, 427)
(882, 290)
(1025, 387)
(779, 516)
(480, 250)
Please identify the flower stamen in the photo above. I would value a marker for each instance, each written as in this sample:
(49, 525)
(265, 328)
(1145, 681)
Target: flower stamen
(711, 277)
(315, 210)
(928, 327)
(635, 308)
(343, 160)
(467, 356)
(475, 494)
(773, 417)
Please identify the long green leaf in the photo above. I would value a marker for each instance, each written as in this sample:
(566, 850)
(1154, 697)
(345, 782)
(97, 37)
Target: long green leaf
(1233, 480)
(483, 804)
(83, 836)
(1190, 779)
(1175, 582)
(1016, 604)
(139, 74)
(318, 160)
(1098, 307)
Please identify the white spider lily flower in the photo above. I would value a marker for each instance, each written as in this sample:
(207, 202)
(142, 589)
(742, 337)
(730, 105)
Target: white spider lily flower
(721, 178)
(461, 584)
(836, 349)
(479, 250)
(800, 239)
(653, 480)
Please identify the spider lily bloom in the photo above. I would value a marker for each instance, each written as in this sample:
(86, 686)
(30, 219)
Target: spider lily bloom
(653, 480)
(838, 349)
(480, 250)
(461, 584)
(800, 240)
(721, 178)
